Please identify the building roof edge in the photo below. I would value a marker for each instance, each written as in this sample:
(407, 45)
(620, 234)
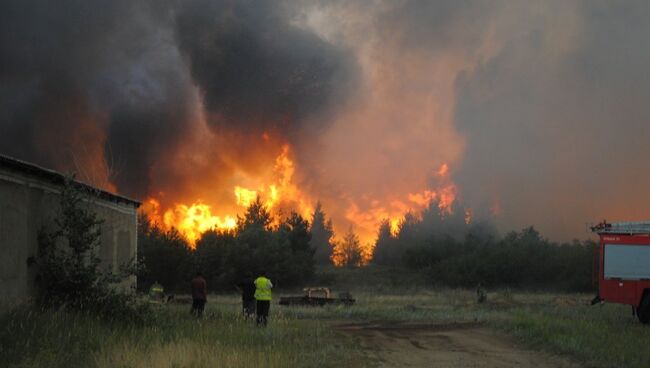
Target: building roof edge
(58, 178)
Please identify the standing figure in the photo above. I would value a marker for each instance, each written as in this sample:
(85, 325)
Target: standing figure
(263, 288)
(481, 296)
(157, 292)
(199, 294)
(247, 289)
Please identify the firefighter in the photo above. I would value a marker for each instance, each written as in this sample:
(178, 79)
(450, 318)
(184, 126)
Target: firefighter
(156, 292)
(199, 294)
(263, 288)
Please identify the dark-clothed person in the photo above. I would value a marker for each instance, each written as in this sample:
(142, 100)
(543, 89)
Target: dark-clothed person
(199, 294)
(263, 288)
(247, 289)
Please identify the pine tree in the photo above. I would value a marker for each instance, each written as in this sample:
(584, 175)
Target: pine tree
(302, 256)
(386, 247)
(321, 236)
(349, 251)
(256, 216)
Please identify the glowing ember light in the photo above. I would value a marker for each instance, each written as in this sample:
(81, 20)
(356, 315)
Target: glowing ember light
(468, 216)
(447, 198)
(443, 170)
(151, 208)
(422, 199)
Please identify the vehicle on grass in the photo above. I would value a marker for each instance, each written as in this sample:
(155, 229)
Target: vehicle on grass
(624, 265)
(317, 296)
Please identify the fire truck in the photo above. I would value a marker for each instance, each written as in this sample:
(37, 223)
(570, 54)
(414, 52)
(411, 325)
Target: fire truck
(624, 265)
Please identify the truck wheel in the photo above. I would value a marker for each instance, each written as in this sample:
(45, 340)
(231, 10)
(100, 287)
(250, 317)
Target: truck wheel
(643, 312)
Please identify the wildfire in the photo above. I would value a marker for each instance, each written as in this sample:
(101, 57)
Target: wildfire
(194, 219)
(191, 221)
(244, 196)
(367, 221)
(280, 193)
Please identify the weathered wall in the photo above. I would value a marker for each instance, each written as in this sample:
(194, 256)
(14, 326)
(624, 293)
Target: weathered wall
(26, 205)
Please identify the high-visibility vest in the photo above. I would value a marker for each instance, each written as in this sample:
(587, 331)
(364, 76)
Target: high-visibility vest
(156, 292)
(263, 288)
(156, 289)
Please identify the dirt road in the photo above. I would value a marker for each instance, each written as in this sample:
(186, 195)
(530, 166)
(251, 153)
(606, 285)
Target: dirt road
(387, 344)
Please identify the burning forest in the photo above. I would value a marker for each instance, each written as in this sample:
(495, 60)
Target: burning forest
(428, 169)
(198, 108)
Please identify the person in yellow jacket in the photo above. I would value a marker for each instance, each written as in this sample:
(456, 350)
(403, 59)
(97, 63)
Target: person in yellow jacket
(263, 297)
(157, 292)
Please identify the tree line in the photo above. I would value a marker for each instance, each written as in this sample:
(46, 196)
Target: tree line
(286, 250)
(454, 252)
(442, 244)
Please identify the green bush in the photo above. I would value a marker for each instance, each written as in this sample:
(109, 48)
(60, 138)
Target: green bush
(68, 268)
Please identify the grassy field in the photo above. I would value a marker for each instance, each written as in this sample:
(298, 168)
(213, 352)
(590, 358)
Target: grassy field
(563, 324)
(172, 339)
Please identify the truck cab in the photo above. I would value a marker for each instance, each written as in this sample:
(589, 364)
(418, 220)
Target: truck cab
(624, 265)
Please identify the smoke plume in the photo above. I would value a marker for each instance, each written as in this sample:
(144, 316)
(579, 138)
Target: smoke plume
(533, 112)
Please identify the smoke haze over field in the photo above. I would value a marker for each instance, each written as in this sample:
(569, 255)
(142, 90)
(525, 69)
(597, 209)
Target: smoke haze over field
(539, 109)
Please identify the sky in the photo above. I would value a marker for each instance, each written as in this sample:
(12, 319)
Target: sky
(538, 109)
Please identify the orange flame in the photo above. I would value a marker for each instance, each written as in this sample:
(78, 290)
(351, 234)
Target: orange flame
(280, 193)
(244, 196)
(194, 219)
(367, 222)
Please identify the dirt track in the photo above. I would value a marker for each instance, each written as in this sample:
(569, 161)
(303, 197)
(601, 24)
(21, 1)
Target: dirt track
(388, 344)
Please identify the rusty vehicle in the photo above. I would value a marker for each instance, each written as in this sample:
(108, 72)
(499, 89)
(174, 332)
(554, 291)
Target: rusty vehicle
(317, 297)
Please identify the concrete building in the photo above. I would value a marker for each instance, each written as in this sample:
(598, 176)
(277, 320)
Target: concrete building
(29, 200)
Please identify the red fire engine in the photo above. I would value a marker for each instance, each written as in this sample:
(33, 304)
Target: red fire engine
(624, 271)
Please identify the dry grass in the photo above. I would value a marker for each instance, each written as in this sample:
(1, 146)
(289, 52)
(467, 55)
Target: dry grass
(173, 339)
(598, 336)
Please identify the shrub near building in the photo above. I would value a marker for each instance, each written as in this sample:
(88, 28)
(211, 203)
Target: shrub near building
(68, 267)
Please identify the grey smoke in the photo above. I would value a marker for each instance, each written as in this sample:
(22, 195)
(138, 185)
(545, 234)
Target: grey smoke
(132, 73)
(71, 67)
(560, 136)
(550, 99)
(256, 69)
(555, 119)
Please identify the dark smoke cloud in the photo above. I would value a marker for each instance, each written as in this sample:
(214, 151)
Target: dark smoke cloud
(103, 85)
(256, 69)
(80, 79)
(539, 107)
(45, 70)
